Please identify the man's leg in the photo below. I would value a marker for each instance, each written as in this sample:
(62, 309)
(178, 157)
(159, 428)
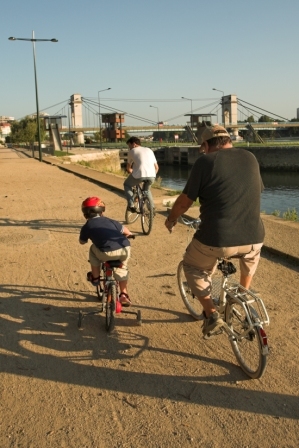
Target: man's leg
(128, 184)
(147, 185)
(248, 264)
(199, 264)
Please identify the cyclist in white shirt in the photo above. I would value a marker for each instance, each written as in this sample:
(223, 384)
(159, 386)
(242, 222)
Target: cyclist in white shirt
(142, 165)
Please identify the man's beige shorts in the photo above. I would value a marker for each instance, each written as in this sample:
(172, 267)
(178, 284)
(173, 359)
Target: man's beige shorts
(200, 262)
(96, 257)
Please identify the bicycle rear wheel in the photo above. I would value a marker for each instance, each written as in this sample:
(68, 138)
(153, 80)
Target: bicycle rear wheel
(110, 307)
(251, 350)
(147, 216)
(191, 302)
(132, 217)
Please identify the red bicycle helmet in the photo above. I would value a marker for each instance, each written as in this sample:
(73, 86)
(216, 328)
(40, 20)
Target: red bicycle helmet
(92, 206)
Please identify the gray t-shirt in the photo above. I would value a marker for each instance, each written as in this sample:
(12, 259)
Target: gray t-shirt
(228, 185)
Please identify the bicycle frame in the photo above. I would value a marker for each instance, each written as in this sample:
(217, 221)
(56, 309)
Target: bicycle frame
(141, 194)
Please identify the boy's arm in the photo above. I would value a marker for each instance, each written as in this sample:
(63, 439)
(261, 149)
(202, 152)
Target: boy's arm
(83, 238)
(126, 231)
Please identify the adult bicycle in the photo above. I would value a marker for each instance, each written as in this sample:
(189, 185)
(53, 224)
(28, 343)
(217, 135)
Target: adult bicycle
(243, 312)
(144, 207)
(108, 294)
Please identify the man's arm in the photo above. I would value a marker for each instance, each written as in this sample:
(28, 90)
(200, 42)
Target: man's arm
(181, 205)
(129, 168)
(156, 167)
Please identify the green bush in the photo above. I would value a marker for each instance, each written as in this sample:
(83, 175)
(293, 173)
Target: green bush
(290, 215)
(276, 213)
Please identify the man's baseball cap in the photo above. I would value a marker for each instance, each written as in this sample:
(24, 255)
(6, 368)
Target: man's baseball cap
(208, 132)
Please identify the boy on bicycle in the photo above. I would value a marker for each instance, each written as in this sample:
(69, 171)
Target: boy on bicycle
(142, 165)
(110, 242)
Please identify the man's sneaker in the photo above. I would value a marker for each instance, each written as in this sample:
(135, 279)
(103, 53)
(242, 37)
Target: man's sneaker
(132, 209)
(212, 323)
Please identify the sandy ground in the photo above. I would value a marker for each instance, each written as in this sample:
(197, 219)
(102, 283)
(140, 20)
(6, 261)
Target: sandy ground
(155, 385)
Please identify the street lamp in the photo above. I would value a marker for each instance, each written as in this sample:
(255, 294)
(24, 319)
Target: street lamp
(219, 91)
(33, 40)
(158, 121)
(189, 99)
(100, 121)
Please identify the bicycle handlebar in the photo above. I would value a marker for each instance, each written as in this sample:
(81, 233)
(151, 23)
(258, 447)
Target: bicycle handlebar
(194, 224)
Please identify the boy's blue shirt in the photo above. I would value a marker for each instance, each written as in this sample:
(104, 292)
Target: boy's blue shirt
(105, 233)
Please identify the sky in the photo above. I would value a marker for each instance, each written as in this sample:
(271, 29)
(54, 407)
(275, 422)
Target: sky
(151, 53)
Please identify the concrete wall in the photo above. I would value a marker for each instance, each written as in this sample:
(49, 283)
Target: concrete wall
(283, 158)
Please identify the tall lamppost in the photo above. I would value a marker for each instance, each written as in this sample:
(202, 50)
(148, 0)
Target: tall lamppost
(33, 40)
(157, 117)
(222, 100)
(100, 121)
(189, 99)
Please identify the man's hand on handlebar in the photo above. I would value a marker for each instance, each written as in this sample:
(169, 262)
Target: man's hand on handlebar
(170, 224)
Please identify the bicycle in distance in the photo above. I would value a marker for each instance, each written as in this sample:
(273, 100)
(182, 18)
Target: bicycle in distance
(243, 312)
(144, 208)
(108, 294)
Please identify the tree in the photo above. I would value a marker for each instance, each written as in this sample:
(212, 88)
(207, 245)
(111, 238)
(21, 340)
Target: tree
(25, 130)
(266, 133)
(265, 119)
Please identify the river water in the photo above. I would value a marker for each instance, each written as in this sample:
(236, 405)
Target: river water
(281, 189)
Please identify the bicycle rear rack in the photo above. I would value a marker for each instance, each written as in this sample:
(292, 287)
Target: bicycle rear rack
(245, 296)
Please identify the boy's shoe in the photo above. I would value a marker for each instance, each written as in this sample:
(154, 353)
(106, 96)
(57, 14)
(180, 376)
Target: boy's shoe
(92, 280)
(124, 299)
(212, 323)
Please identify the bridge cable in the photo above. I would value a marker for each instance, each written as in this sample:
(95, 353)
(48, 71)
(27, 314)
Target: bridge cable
(264, 110)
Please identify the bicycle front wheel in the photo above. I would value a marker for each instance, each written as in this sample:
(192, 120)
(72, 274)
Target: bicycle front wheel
(191, 302)
(251, 349)
(110, 307)
(147, 216)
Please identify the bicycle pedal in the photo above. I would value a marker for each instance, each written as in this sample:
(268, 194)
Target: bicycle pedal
(214, 333)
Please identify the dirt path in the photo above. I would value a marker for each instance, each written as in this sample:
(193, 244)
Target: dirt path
(158, 385)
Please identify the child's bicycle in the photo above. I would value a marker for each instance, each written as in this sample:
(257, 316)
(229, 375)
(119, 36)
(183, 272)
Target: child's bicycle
(242, 311)
(108, 295)
(144, 208)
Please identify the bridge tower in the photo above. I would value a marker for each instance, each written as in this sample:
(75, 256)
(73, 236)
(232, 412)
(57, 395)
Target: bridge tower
(76, 116)
(230, 111)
